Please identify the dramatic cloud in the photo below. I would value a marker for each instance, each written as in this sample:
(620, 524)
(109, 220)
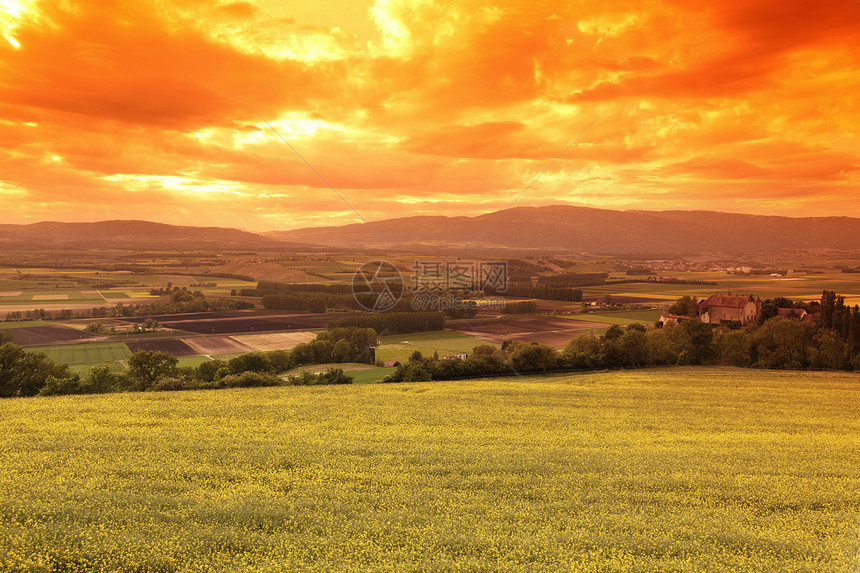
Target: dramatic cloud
(190, 111)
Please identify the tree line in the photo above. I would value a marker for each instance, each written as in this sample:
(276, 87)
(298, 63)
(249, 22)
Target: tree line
(522, 307)
(393, 322)
(543, 292)
(830, 343)
(24, 373)
(181, 303)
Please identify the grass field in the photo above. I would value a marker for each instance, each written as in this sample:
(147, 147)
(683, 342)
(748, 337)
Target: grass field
(192, 361)
(652, 470)
(85, 353)
(371, 375)
(620, 318)
(401, 346)
(24, 324)
(362, 373)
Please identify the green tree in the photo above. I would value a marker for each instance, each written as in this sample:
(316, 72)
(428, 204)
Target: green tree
(335, 376)
(281, 360)
(534, 358)
(828, 351)
(101, 379)
(24, 373)
(251, 379)
(415, 372)
(250, 362)
(614, 332)
(342, 351)
(181, 296)
(205, 371)
(662, 346)
(302, 353)
(634, 348)
(699, 339)
(684, 306)
(769, 309)
(734, 347)
(583, 351)
(62, 386)
(146, 367)
(781, 343)
(322, 351)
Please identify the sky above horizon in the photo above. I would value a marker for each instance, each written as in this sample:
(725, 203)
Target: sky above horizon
(201, 112)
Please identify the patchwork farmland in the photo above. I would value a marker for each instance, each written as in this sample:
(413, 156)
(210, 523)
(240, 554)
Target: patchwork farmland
(212, 345)
(275, 341)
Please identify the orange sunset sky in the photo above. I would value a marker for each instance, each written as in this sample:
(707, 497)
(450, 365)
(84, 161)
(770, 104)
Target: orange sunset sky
(149, 110)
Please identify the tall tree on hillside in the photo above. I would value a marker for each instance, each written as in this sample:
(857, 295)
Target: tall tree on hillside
(828, 304)
(854, 333)
(839, 317)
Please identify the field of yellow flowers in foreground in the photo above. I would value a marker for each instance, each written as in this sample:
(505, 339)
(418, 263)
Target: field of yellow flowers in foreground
(676, 470)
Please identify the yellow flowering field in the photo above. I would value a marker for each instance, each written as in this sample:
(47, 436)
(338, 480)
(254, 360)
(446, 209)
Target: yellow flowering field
(683, 469)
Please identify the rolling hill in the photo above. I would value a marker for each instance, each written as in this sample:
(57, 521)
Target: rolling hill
(564, 227)
(134, 235)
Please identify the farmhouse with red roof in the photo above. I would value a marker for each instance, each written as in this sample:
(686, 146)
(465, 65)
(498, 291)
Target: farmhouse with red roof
(719, 307)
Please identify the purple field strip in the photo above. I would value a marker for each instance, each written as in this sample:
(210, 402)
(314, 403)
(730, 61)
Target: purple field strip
(172, 347)
(43, 335)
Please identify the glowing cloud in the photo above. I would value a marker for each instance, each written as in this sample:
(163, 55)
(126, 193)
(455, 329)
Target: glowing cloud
(153, 110)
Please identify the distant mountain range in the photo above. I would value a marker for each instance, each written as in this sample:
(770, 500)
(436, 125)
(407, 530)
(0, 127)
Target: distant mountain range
(135, 235)
(569, 228)
(553, 228)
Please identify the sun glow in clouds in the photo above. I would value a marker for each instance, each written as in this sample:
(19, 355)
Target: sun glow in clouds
(11, 12)
(436, 106)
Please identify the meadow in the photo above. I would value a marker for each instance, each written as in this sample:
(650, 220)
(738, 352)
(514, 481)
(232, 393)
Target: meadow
(91, 352)
(401, 346)
(621, 318)
(682, 469)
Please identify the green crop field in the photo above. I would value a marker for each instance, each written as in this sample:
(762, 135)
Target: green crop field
(371, 375)
(621, 318)
(86, 352)
(401, 346)
(192, 361)
(362, 373)
(23, 324)
(113, 294)
(607, 318)
(682, 469)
